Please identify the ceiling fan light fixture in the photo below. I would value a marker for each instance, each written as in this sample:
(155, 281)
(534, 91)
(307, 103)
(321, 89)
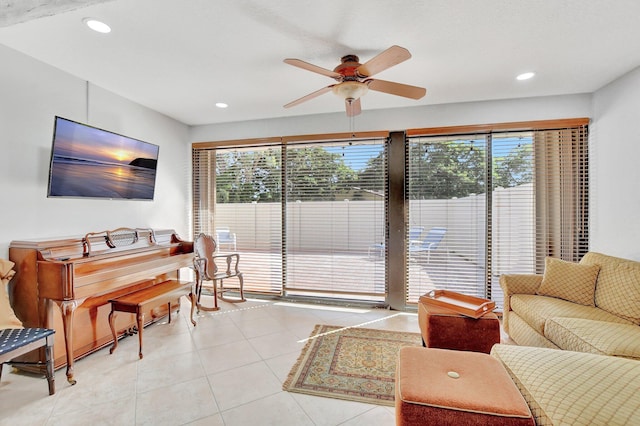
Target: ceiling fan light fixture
(350, 89)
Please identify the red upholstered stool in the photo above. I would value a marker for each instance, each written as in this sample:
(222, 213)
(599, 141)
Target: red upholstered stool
(444, 329)
(445, 387)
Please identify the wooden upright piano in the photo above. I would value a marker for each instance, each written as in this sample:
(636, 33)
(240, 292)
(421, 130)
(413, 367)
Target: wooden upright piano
(66, 284)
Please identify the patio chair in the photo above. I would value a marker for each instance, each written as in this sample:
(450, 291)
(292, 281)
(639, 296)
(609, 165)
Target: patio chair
(430, 242)
(226, 237)
(414, 237)
(206, 268)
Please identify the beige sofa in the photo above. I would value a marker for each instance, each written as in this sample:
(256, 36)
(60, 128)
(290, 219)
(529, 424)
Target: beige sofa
(592, 306)
(574, 388)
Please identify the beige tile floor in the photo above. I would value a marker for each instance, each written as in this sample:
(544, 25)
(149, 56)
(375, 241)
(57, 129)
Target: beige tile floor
(228, 370)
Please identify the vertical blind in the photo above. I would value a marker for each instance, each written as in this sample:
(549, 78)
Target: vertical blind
(562, 184)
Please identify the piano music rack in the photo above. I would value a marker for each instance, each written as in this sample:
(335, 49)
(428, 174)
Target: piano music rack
(117, 238)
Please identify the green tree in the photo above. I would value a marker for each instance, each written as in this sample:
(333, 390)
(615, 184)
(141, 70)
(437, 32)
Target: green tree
(447, 169)
(515, 168)
(438, 170)
(246, 176)
(315, 174)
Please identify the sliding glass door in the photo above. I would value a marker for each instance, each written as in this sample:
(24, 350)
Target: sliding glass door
(335, 220)
(308, 218)
(239, 191)
(324, 218)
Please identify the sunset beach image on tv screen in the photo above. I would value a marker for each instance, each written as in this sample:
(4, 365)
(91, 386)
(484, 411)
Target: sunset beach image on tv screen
(91, 162)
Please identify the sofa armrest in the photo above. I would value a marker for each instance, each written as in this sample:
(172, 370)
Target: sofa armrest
(516, 284)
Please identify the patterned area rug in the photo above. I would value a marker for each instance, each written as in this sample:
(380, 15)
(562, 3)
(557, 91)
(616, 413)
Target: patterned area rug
(357, 364)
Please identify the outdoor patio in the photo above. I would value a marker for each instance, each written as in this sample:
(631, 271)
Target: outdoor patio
(359, 275)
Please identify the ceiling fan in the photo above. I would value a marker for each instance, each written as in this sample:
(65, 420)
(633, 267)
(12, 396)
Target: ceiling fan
(354, 79)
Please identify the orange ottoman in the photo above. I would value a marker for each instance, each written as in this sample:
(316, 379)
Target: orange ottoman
(443, 329)
(445, 387)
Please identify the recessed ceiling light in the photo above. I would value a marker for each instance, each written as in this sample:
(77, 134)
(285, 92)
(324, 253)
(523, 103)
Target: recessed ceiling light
(97, 26)
(221, 105)
(525, 76)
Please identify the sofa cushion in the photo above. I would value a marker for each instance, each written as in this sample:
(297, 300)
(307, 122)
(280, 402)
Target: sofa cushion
(618, 287)
(8, 318)
(569, 281)
(523, 334)
(536, 310)
(574, 388)
(596, 337)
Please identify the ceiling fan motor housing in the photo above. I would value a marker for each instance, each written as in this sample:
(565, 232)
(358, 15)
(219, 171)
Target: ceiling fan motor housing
(348, 68)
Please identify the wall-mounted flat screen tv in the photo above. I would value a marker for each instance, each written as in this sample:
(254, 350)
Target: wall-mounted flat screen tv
(91, 162)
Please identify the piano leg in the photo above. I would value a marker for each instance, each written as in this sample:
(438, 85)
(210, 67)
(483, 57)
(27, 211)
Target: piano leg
(140, 327)
(67, 308)
(112, 325)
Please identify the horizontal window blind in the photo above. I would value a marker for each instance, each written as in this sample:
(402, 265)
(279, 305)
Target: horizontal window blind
(335, 220)
(240, 190)
(512, 232)
(537, 207)
(310, 212)
(446, 216)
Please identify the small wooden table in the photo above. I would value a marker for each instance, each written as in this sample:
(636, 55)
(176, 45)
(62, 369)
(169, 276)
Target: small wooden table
(148, 298)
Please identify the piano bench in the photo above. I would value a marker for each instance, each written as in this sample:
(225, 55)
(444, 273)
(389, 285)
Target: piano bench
(138, 302)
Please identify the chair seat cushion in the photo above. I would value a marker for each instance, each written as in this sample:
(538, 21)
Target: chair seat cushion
(14, 338)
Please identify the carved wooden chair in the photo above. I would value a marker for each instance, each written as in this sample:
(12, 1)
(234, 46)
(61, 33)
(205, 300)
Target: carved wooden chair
(207, 269)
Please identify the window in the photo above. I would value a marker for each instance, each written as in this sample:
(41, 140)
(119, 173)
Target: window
(447, 208)
(537, 207)
(334, 216)
(311, 228)
(239, 190)
(323, 216)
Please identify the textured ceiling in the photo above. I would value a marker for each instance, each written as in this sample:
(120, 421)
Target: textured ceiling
(180, 57)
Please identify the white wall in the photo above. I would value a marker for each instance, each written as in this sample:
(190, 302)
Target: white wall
(615, 167)
(31, 95)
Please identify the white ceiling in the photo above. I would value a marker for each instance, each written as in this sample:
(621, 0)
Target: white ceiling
(181, 57)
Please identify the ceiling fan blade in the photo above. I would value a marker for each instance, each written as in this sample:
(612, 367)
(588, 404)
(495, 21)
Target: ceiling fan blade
(353, 107)
(309, 96)
(314, 68)
(388, 58)
(398, 89)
